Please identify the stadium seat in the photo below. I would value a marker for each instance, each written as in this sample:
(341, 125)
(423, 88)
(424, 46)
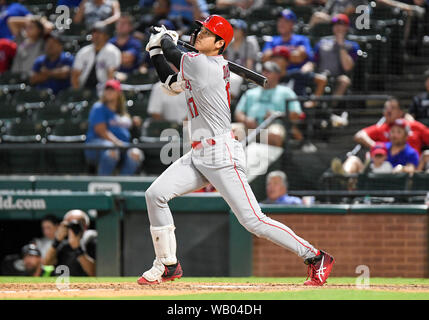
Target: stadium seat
(24, 160)
(372, 181)
(76, 95)
(32, 95)
(67, 161)
(153, 128)
(138, 107)
(420, 181)
(52, 112)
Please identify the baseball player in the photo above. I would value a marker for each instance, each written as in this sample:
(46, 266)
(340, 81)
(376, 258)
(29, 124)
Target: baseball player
(216, 157)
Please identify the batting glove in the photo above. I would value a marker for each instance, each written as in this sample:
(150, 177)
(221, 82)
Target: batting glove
(154, 44)
(173, 34)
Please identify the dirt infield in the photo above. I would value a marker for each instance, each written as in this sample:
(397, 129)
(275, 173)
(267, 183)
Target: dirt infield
(111, 290)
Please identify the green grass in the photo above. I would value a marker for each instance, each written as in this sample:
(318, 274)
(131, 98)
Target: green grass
(322, 293)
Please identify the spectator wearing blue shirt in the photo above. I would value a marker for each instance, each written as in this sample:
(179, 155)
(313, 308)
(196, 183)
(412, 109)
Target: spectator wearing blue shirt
(301, 53)
(277, 188)
(109, 125)
(69, 3)
(400, 154)
(52, 70)
(131, 48)
(188, 10)
(12, 10)
(336, 56)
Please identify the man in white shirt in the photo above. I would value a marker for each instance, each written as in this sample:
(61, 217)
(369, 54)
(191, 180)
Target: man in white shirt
(96, 63)
(166, 107)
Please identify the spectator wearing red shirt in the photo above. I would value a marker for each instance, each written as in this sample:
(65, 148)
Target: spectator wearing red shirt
(7, 53)
(417, 138)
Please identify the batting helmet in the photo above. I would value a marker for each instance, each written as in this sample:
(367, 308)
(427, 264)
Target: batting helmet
(219, 26)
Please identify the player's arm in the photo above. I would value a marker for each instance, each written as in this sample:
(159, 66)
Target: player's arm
(364, 139)
(156, 46)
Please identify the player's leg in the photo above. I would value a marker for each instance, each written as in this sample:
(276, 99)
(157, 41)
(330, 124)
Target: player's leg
(230, 180)
(178, 179)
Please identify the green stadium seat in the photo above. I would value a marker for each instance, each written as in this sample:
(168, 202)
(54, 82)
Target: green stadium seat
(22, 161)
(372, 181)
(52, 112)
(32, 95)
(138, 107)
(76, 95)
(153, 128)
(420, 181)
(11, 78)
(67, 161)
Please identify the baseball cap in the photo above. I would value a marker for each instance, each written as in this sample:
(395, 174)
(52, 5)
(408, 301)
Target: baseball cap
(402, 123)
(238, 24)
(281, 51)
(379, 148)
(271, 67)
(341, 18)
(114, 84)
(30, 249)
(288, 15)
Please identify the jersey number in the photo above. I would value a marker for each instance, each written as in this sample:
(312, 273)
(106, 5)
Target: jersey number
(192, 105)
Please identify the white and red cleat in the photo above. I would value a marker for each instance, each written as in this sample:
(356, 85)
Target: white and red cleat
(319, 268)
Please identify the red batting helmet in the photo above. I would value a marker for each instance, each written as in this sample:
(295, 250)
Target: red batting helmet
(219, 26)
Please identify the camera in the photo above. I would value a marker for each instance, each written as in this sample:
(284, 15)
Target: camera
(76, 226)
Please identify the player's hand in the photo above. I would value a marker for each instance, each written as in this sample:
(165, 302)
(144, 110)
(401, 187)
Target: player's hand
(174, 35)
(155, 38)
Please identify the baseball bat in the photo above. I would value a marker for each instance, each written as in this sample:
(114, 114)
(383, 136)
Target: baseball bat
(243, 72)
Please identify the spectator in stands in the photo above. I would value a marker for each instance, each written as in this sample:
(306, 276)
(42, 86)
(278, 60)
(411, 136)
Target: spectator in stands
(243, 4)
(74, 245)
(188, 10)
(277, 189)
(49, 226)
(105, 12)
(109, 125)
(32, 260)
(400, 154)
(69, 3)
(96, 63)
(418, 135)
(301, 52)
(258, 103)
(281, 55)
(131, 48)
(336, 56)
(14, 9)
(419, 108)
(243, 50)
(29, 35)
(332, 8)
(166, 107)
(160, 11)
(412, 7)
(424, 162)
(7, 53)
(52, 70)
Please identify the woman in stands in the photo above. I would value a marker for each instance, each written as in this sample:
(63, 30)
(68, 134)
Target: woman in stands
(92, 11)
(29, 33)
(109, 125)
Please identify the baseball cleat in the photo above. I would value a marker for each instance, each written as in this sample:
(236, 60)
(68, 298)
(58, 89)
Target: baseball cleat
(161, 273)
(319, 268)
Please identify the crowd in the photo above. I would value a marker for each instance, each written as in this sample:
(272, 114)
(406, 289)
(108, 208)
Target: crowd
(295, 66)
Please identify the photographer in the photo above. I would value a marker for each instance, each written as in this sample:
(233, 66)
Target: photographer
(74, 245)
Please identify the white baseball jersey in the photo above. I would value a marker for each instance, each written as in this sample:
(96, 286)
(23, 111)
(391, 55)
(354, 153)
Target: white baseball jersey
(207, 94)
(221, 161)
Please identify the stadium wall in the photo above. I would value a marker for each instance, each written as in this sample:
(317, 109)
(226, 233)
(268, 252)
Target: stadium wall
(390, 244)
